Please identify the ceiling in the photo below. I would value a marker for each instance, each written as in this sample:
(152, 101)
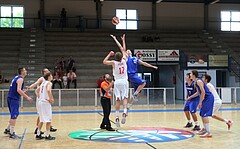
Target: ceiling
(187, 1)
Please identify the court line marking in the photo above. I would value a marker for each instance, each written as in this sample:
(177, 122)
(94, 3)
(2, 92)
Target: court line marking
(24, 132)
(98, 111)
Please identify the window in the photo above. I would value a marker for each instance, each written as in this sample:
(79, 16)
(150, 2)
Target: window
(128, 19)
(230, 21)
(11, 16)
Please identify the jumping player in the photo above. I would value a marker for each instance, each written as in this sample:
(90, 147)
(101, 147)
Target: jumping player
(132, 64)
(45, 109)
(217, 101)
(121, 86)
(14, 94)
(205, 104)
(191, 105)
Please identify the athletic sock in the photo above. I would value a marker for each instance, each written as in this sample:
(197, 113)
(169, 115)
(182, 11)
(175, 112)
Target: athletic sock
(47, 133)
(225, 120)
(11, 129)
(129, 105)
(117, 114)
(135, 93)
(38, 131)
(8, 126)
(125, 110)
(189, 121)
(206, 125)
(196, 123)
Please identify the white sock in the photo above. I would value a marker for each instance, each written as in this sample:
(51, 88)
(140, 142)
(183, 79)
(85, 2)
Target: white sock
(8, 126)
(47, 133)
(135, 93)
(206, 126)
(125, 110)
(38, 131)
(129, 105)
(196, 123)
(225, 120)
(189, 121)
(117, 114)
(11, 129)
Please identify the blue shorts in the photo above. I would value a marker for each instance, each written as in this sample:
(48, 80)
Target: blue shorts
(207, 107)
(13, 106)
(135, 80)
(191, 105)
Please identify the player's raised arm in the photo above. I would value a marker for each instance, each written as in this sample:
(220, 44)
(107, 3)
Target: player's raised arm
(117, 42)
(147, 64)
(106, 60)
(38, 82)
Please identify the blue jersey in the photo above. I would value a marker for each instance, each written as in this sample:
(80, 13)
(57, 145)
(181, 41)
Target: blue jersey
(191, 89)
(13, 94)
(207, 92)
(132, 65)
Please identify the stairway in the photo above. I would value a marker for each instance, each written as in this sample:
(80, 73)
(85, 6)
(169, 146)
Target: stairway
(32, 53)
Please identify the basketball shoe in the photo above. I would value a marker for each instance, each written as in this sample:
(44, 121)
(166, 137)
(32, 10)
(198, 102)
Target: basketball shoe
(188, 125)
(124, 115)
(117, 122)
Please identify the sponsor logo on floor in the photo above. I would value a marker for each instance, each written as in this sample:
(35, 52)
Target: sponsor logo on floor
(133, 135)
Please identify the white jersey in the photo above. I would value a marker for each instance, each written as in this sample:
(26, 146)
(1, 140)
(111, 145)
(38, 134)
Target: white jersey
(217, 99)
(120, 70)
(43, 96)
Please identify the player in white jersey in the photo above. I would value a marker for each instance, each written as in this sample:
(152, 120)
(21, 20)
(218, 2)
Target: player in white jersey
(45, 109)
(37, 84)
(217, 101)
(121, 86)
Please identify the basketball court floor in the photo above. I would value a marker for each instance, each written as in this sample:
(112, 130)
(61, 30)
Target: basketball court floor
(146, 127)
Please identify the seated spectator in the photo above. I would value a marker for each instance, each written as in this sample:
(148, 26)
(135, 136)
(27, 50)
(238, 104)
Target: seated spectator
(72, 78)
(57, 79)
(64, 78)
(71, 63)
(99, 81)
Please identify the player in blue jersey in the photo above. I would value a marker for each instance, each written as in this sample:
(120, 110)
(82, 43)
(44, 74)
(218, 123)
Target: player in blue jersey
(205, 104)
(14, 94)
(132, 69)
(192, 104)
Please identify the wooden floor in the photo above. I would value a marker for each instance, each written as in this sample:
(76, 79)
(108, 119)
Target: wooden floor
(69, 122)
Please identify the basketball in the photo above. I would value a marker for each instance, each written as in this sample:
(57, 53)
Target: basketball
(115, 20)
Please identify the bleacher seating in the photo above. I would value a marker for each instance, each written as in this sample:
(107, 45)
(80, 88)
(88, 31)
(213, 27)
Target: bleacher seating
(9, 52)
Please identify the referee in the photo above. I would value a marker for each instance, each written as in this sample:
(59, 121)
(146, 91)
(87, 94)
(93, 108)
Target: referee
(105, 93)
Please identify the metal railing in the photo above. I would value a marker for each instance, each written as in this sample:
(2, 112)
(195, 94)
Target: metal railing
(91, 97)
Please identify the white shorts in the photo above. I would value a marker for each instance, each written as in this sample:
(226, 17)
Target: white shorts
(121, 88)
(216, 107)
(45, 111)
(37, 105)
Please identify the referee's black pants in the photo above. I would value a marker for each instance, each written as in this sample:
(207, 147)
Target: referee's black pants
(106, 105)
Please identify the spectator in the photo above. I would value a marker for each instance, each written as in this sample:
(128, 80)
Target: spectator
(64, 78)
(57, 79)
(71, 63)
(62, 64)
(99, 81)
(57, 65)
(63, 20)
(1, 78)
(72, 78)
